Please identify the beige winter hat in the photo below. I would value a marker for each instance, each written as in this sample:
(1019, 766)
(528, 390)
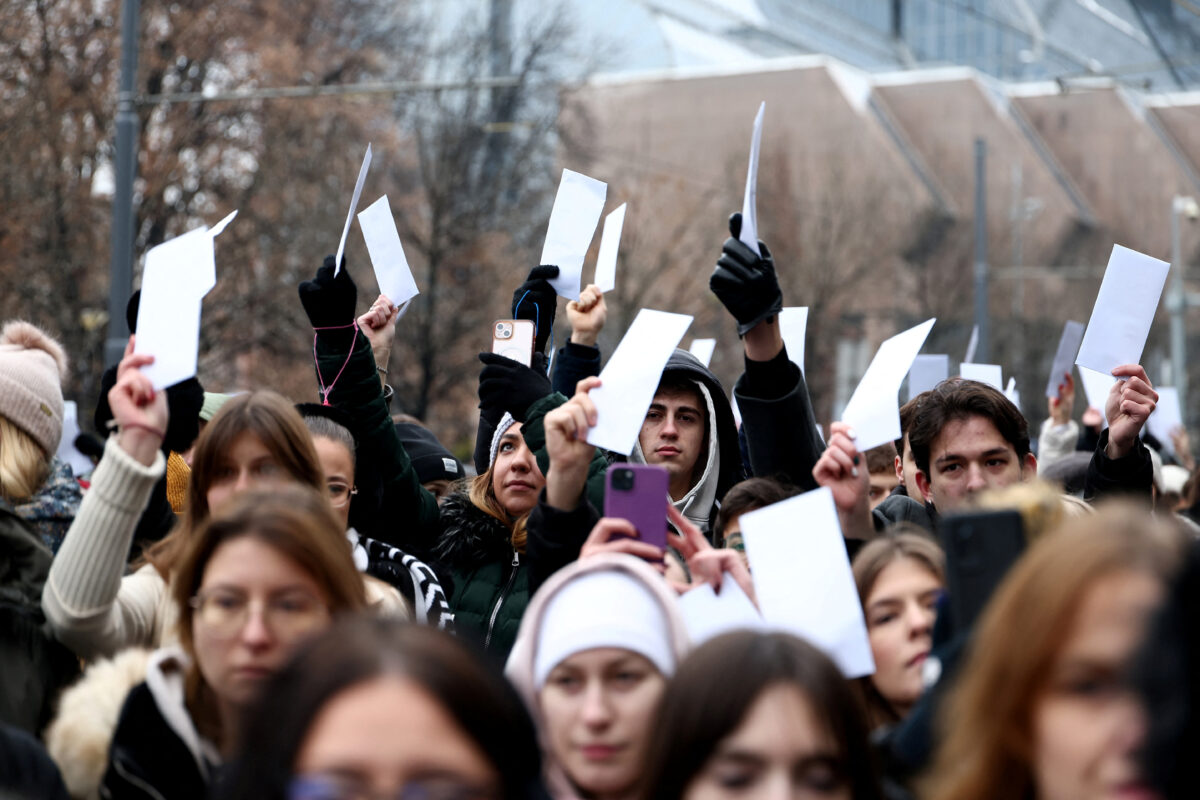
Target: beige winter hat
(32, 366)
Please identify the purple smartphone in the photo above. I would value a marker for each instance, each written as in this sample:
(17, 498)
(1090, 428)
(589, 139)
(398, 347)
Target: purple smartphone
(638, 493)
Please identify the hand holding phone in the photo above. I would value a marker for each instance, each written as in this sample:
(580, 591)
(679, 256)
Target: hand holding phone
(639, 493)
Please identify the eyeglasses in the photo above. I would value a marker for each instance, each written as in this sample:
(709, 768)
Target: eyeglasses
(337, 787)
(340, 494)
(225, 612)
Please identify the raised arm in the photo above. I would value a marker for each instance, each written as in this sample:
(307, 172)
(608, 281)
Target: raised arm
(88, 603)
(777, 416)
(579, 358)
(1121, 464)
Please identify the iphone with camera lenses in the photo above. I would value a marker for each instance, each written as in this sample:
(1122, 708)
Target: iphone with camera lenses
(639, 493)
(513, 338)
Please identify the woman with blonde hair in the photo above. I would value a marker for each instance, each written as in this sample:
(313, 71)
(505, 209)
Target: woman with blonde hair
(900, 578)
(1041, 708)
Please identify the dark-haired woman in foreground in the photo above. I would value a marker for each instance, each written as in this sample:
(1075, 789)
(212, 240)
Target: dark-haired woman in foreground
(753, 715)
(375, 708)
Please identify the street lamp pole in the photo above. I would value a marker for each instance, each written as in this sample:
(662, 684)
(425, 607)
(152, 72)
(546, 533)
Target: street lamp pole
(1177, 301)
(125, 166)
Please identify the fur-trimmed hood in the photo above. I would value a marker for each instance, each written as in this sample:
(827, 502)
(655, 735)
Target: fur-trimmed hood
(470, 536)
(79, 737)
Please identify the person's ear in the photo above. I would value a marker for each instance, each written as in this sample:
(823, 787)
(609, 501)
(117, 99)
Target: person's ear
(1029, 466)
(924, 487)
(899, 465)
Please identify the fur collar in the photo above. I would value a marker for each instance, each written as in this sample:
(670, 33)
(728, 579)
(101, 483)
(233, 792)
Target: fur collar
(470, 536)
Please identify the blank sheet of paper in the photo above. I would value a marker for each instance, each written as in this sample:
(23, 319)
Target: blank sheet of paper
(873, 411)
(708, 614)
(577, 209)
(803, 580)
(1124, 311)
(630, 378)
(168, 322)
(1167, 416)
(1096, 386)
(749, 232)
(392, 272)
(703, 349)
(926, 373)
(610, 245)
(358, 187)
(793, 322)
(991, 374)
(1064, 356)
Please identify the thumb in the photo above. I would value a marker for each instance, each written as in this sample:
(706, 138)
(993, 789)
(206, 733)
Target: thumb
(735, 224)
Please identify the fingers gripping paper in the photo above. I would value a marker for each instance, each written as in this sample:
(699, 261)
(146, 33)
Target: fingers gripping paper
(873, 410)
(803, 580)
(577, 209)
(630, 378)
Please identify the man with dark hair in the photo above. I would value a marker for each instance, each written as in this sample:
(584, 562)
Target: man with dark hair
(967, 438)
(881, 469)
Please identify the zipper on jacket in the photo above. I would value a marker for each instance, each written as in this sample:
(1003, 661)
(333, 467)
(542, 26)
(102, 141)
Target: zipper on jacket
(512, 576)
(134, 780)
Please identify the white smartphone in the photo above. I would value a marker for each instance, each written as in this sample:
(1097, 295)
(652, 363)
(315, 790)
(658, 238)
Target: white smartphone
(513, 338)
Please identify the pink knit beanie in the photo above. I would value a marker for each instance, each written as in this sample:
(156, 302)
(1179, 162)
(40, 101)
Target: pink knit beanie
(32, 366)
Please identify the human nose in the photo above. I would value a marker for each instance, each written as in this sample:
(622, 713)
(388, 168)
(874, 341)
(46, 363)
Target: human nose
(1129, 725)
(597, 712)
(975, 478)
(255, 631)
(920, 619)
(243, 481)
(668, 428)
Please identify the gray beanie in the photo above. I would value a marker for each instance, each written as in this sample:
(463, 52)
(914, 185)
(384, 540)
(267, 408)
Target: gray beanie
(32, 366)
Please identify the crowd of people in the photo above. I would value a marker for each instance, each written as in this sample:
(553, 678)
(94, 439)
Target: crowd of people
(255, 598)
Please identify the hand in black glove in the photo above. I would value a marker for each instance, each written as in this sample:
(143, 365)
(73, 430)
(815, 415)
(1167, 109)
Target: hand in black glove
(745, 283)
(329, 301)
(536, 300)
(510, 385)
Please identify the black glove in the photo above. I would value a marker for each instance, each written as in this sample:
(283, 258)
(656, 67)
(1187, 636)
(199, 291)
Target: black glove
(329, 301)
(536, 300)
(745, 283)
(510, 385)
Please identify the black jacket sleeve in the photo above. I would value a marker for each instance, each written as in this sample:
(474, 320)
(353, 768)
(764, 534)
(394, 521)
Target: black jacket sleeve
(410, 512)
(555, 538)
(1131, 476)
(574, 363)
(778, 421)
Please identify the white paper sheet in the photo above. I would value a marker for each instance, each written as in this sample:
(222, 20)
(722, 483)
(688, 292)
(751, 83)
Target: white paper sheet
(749, 232)
(926, 373)
(1124, 311)
(803, 580)
(1064, 357)
(793, 322)
(873, 411)
(80, 464)
(708, 614)
(972, 343)
(168, 323)
(630, 378)
(1096, 386)
(1010, 391)
(991, 374)
(577, 209)
(1167, 416)
(392, 272)
(358, 187)
(610, 245)
(703, 349)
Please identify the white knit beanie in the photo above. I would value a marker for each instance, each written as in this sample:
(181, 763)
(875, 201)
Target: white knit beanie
(32, 366)
(602, 609)
(502, 427)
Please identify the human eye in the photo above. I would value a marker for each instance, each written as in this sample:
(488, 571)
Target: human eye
(949, 469)
(296, 603)
(997, 461)
(735, 777)
(267, 468)
(653, 414)
(883, 619)
(565, 681)
(820, 777)
(226, 600)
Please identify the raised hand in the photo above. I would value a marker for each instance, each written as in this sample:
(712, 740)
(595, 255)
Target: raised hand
(536, 300)
(615, 535)
(844, 471)
(566, 446)
(139, 411)
(1060, 406)
(744, 282)
(1130, 403)
(587, 316)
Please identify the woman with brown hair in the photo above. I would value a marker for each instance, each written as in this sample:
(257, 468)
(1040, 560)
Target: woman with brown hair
(750, 715)
(1041, 708)
(250, 582)
(255, 440)
(900, 578)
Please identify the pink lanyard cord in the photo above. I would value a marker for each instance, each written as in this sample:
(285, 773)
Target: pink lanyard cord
(325, 390)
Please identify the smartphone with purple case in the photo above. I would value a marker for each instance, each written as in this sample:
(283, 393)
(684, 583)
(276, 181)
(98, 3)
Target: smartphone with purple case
(638, 493)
